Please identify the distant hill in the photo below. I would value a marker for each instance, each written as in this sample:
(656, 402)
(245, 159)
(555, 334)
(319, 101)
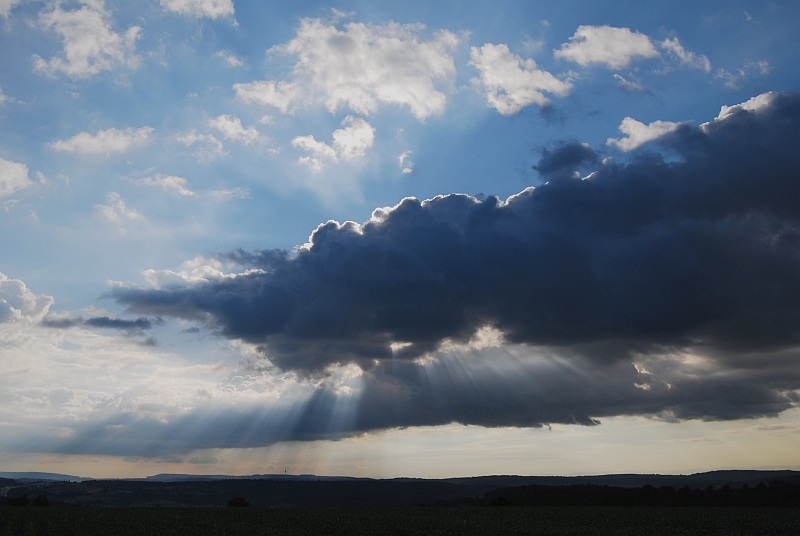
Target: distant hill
(311, 490)
(34, 475)
(733, 478)
(169, 477)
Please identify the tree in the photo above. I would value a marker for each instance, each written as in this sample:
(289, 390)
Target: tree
(238, 502)
(21, 500)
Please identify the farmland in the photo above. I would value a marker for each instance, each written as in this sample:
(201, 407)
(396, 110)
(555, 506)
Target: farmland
(56, 521)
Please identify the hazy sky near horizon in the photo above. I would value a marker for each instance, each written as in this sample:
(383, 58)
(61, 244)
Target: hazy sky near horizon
(383, 239)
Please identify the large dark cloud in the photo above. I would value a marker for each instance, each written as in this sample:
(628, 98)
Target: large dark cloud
(698, 251)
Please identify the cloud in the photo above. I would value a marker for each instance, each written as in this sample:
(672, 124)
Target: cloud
(212, 9)
(197, 270)
(209, 147)
(204, 459)
(282, 95)
(175, 185)
(639, 133)
(19, 304)
(13, 177)
(689, 59)
(320, 151)
(137, 325)
(349, 143)
(566, 159)
(64, 321)
(733, 80)
(6, 6)
(406, 165)
(550, 306)
(755, 104)
(613, 47)
(229, 58)
(231, 128)
(352, 141)
(511, 83)
(234, 193)
(50, 393)
(360, 68)
(90, 45)
(105, 141)
(117, 211)
(629, 85)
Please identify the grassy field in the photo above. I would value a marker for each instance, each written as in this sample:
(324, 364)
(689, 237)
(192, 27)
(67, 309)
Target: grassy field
(396, 521)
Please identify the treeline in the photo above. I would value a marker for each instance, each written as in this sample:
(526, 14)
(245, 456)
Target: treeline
(23, 500)
(393, 493)
(776, 494)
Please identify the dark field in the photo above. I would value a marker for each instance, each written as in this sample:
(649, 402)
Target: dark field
(406, 520)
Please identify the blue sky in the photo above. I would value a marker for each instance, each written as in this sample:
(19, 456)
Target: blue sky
(165, 308)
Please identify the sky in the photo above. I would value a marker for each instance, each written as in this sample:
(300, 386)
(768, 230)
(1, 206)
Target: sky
(399, 239)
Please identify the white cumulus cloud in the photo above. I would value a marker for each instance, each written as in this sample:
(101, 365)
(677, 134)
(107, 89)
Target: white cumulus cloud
(90, 45)
(360, 68)
(199, 8)
(231, 128)
(754, 104)
(613, 47)
(639, 133)
(354, 139)
(510, 82)
(689, 59)
(107, 141)
(13, 177)
(176, 186)
(19, 304)
(349, 143)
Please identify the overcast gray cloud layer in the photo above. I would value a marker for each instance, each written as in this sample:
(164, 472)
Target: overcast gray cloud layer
(691, 249)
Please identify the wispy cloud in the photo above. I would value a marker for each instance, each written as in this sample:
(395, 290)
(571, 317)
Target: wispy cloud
(212, 9)
(107, 141)
(230, 58)
(176, 186)
(688, 59)
(116, 211)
